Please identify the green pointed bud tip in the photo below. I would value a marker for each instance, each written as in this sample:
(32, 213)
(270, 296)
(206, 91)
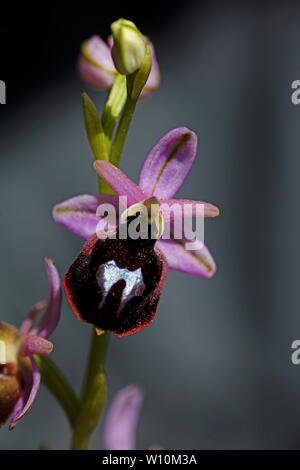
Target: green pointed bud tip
(129, 47)
(137, 81)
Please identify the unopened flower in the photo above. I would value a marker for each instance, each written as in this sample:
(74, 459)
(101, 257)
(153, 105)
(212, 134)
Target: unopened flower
(19, 372)
(129, 46)
(162, 174)
(97, 69)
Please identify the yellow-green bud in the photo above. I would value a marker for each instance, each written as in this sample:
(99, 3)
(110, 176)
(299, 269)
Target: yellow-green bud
(129, 47)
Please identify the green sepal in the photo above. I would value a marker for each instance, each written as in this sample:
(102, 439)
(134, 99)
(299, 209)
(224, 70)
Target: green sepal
(94, 129)
(137, 80)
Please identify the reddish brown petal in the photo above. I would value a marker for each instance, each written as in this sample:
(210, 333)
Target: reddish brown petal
(96, 282)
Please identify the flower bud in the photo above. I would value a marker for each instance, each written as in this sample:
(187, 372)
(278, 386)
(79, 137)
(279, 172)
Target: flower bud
(129, 47)
(96, 67)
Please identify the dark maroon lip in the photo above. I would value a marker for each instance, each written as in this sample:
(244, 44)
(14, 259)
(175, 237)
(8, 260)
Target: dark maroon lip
(122, 315)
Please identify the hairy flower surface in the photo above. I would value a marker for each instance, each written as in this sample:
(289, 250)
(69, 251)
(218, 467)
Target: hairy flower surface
(115, 284)
(19, 372)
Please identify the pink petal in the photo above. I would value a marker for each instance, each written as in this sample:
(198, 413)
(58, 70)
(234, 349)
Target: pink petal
(51, 316)
(33, 344)
(34, 312)
(31, 382)
(179, 208)
(119, 182)
(95, 64)
(198, 261)
(122, 418)
(168, 163)
(78, 214)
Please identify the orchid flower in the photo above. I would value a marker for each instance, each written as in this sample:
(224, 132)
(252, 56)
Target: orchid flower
(97, 69)
(115, 284)
(162, 174)
(19, 372)
(122, 419)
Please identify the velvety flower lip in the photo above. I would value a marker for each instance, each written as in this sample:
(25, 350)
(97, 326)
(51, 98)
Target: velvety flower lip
(122, 419)
(162, 174)
(115, 284)
(96, 67)
(19, 347)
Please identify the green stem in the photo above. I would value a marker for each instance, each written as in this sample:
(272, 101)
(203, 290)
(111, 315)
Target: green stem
(94, 386)
(93, 393)
(97, 355)
(121, 134)
(59, 386)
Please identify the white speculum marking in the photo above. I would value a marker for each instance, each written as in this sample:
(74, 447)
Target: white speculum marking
(109, 274)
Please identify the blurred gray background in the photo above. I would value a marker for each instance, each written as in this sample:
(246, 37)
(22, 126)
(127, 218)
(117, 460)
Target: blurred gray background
(215, 364)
